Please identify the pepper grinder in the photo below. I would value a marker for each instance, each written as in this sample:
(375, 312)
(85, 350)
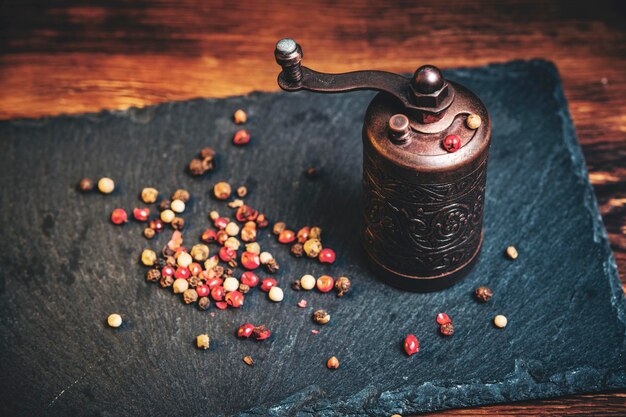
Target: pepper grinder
(425, 148)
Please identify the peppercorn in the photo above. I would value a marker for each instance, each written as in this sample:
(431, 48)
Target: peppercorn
(236, 203)
(311, 172)
(166, 281)
(325, 283)
(286, 236)
(249, 278)
(302, 303)
(447, 329)
(217, 293)
(119, 216)
(321, 317)
(204, 303)
(267, 284)
(196, 269)
(148, 257)
(443, 318)
(194, 282)
(114, 320)
(177, 206)
(214, 215)
(190, 296)
(451, 143)
(196, 167)
(199, 252)
(297, 250)
(342, 286)
(202, 341)
(178, 223)
(250, 260)
(327, 256)
(231, 284)
(473, 121)
(315, 233)
(240, 117)
(272, 266)
(222, 190)
(248, 360)
(244, 289)
(141, 214)
(234, 299)
(153, 275)
(232, 229)
(156, 225)
(261, 221)
(222, 305)
(149, 195)
(167, 216)
(261, 333)
(312, 248)
(278, 228)
(500, 321)
(248, 234)
(246, 213)
(511, 252)
(86, 185)
(265, 258)
(182, 195)
(242, 191)
(182, 273)
(180, 286)
(303, 234)
(245, 330)
(296, 285)
(276, 294)
(207, 152)
(241, 137)
(307, 282)
(221, 223)
(483, 294)
(411, 344)
(106, 185)
(332, 363)
(184, 259)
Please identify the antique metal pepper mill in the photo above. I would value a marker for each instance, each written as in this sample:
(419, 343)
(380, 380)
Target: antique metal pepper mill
(425, 147)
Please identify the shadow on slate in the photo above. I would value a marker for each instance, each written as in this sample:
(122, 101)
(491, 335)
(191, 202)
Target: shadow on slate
(64, 267)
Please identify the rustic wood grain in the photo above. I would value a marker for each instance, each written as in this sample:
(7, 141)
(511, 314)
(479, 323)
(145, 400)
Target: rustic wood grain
(72, 57)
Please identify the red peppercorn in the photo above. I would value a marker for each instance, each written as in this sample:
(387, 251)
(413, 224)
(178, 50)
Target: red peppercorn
(327, 256)
(222, 305)
(209, 236)
(182, 272)
(234, 299)
(446, 329)
(325, 283)
(141, 214)
(245, 330)
(157, 225)
(167, 271)
(250, 279)
(443, 318)
(242, 137)
(214, 282)
(303, 234)
(267, 284)
(246, 214)
(452, 143)
(250, 260)
(221, 222)
(119, 216)
(202, 290)
(217, 293)
(286, 236)
(227, 254)
(261, 333)
(195, 269)
(222, 237)
(411, 344)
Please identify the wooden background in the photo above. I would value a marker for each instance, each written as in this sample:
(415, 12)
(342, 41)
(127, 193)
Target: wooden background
(83, 56)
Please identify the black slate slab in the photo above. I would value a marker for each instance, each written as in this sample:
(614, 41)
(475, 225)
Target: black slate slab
(64, 267)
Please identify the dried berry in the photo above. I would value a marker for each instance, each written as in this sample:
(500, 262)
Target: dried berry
(511, 252)
(221, 223)
(244, 289)
(190, 296)
(234, 299)
(452, 143)
(342, 286)
(197, 167)
(286, 236)
(106, 185)
(250, 279)
(167, 216)
(182, 195)
(303, 234)
(296, 285)
(267, 284)
(86, 185)
(166, 281)
(297, 250)
(177, 206)
(241, 137)
(242, 191)
(207, 153)
(182, 273)
(199, 252)
(443, 318)
(217, 293)
(332, 363)
(261, 221)
(230, 284)
(240, 117)
(248, 234)
(321, 317)
(178, 223)
(114, 320)
(261, 333)
(202, 341)
(250, 260)
(119, 216)
(315, 233)
(272, 266)
(325, 283)
(248, 360)
(266, 258)
(222, 190)
(276, 294)
(148, 257)
(227, 254)
(156, 225)
(180, 286)
(153, 275)
(141, 214)
(447, 329)
(312, 248)
(278, 228)
(473, 121)
(148, 233)
(411, 344)
(246, 214)
(232, 229)
(204, 303)
(327, 256)
(500, 321)
(202, 290)
(209, 236)
(483, 294)
(307, 282)
(245, 330)
(236, 203)
(149, 195)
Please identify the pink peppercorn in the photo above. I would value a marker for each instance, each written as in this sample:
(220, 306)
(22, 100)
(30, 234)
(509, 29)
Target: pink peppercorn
(452, 143)
(250, 279)
(202, 290)
(227, 254)
(443, 318)
(267, 284)
(327, 256)
(222, 305)
(167, 271)
(242, 137)
(245, 330)
(214, 282)
(195, 269)
(234, 299)
(209, 236)
(141, 214)
(411, 345)
(221, 223)
(156, 225)
(119, 216)
(250, 260)
(217, 293)
(182, 272)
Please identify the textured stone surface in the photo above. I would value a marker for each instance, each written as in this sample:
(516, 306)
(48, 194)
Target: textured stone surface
(64, 267)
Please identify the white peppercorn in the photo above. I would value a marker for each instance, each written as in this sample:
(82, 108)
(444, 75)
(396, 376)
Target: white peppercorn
(106, 185)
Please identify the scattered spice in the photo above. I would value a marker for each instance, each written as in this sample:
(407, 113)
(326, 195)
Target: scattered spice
(119, 216)
(265, 258)
(114, 320)
(106, 185)
(447, 329)
(267, 284)
(411, 344)
(85, 185)
(196, 167)
(296, 285)
(164, 204)
(452, 143)
(202, 341)
(199, 252)
(500, 321)
(483, 294)
(325, 283)
(242, 191)
(230, 284)
(207, 153)
(511, 252)
(249, 278)
(286, 236)
(248, 360)
(342, 286)
(141, 214)
(321, 317)
(315, 331)
(240, 117)
(332, 363)
(222, 190)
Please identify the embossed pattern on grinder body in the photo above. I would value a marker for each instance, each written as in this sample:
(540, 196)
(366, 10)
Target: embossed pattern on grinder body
(425, 148)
